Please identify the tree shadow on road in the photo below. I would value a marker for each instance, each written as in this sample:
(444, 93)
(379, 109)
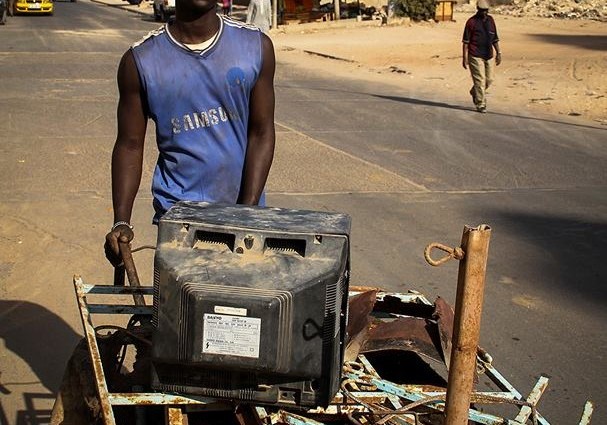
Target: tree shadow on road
(570, 252)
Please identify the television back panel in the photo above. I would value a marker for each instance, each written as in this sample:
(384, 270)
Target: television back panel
(250, 303)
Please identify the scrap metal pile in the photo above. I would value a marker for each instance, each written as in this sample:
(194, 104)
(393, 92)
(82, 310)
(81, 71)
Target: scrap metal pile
(407, 361)
(395, 371)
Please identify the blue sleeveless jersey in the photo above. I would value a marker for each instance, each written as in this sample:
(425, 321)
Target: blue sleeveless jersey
(199, 101)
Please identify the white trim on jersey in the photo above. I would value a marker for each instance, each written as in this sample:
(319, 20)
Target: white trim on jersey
(153, 33)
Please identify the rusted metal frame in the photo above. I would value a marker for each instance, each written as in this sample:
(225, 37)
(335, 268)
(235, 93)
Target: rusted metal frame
(284, 417)
(499, 380)
(104, 308)
(534, 398)
(128, 399)
(342, 405)
(489, 395)
(118, 309)
(107, 399)
(419, 389)
(367, 365)
(503, 384)
(261, 413)
(88, 288)
(174, 415)
(400, 419)
(89, 332)
(366, 396)
(403, 392)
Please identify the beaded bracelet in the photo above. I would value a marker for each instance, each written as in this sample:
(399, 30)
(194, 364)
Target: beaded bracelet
(122, 223)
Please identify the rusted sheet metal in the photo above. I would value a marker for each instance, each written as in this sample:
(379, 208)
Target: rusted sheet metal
(443, 314)
(360, 307)
(89, 332)
(398, 331)
(402, 333)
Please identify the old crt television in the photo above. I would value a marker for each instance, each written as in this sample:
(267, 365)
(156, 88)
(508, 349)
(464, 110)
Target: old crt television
(250, 303)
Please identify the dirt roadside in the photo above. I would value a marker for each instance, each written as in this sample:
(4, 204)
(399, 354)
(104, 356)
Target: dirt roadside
(549, 65)
(552, 66)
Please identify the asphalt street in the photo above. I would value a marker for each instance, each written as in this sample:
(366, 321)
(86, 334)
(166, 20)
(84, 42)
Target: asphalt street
(410, 167)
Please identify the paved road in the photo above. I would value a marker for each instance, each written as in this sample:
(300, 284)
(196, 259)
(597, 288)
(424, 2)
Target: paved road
(409, 167)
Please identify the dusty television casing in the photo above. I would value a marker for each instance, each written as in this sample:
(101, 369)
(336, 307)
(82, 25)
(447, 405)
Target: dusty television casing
(250, 303)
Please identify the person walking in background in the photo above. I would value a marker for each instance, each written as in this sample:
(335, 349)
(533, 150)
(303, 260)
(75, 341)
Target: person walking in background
(259, 13)
(226, 7)
(479, 40)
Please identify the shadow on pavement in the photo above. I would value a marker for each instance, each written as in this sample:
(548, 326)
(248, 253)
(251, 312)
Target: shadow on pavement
(590, 42)
(38, 336)
(31, 415)
(414, 101)
(424, 102)
(571, 252)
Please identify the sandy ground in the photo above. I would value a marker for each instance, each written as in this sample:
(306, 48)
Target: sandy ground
(548, 65)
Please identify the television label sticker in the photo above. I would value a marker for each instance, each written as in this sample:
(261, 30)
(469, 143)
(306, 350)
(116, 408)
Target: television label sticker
(234, 311)
(231, 335)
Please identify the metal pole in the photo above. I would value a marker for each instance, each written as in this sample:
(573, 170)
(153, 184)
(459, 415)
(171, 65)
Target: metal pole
(466, 326)
(336, 8)
(275, 14)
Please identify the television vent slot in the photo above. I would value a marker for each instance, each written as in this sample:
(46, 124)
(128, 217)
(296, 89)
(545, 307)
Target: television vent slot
(155, 299)
(214, 240)
(331, 325)
(294, 246)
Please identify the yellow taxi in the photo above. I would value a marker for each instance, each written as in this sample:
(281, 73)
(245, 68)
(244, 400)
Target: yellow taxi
(34, 7)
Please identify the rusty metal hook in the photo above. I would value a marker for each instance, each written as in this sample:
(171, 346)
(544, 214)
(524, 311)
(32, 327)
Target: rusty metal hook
(456, 253)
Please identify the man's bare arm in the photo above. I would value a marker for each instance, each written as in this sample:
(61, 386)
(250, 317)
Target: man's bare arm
(127, 156)
(261, 134)
(498, 53)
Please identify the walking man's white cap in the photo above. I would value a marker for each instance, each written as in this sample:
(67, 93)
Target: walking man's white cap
(482, 4)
